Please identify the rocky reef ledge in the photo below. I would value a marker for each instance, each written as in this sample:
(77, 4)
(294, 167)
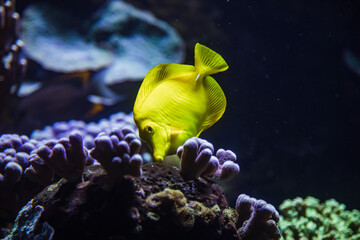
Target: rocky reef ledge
(158, 205)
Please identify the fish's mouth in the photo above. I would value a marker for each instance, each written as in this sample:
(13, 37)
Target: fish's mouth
(158, 158)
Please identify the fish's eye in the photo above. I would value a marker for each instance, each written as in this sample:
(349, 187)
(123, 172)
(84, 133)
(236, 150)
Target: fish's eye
(149, 129)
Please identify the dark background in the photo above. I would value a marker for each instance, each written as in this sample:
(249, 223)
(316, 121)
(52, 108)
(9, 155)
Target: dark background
(293, 108)
(293, 104)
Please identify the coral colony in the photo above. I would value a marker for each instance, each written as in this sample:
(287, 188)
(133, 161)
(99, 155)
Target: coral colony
(197, 160)
(309, 219)
(12, 63)
(108, 183)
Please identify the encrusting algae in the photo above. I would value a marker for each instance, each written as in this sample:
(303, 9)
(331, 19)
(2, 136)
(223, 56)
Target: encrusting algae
(177, 101)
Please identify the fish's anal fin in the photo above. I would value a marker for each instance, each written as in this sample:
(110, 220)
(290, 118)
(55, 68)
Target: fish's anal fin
(216, 102)
(162, 72)
(207, 61)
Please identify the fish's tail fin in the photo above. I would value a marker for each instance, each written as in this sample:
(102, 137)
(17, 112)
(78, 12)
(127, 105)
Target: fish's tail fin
(207, 61)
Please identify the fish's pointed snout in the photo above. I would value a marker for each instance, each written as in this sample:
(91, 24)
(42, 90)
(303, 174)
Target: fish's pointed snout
(159, 155)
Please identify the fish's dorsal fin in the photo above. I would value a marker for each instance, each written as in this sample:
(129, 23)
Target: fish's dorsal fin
(207, 61)
(159, 73)
(216, 102)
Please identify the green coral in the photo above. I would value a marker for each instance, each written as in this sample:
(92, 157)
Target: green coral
(186, 212)
(304, 219)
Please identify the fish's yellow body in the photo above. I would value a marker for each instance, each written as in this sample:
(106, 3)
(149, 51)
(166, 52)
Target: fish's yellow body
(177, 101)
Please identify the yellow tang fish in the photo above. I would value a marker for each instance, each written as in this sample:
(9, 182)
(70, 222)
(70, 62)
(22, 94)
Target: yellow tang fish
(177, 101)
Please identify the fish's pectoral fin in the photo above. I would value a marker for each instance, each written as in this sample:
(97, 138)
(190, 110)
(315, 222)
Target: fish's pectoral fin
(178, 135)
(207, 61)
(174, 131)
(160, 73)
(216, 102)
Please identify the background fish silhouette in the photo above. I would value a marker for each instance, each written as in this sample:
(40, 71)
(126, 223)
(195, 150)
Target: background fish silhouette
(178, 101)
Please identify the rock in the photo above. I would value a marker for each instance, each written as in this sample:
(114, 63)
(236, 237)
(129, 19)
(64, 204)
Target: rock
(56, 41)
(127, 42)
(158, 205)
